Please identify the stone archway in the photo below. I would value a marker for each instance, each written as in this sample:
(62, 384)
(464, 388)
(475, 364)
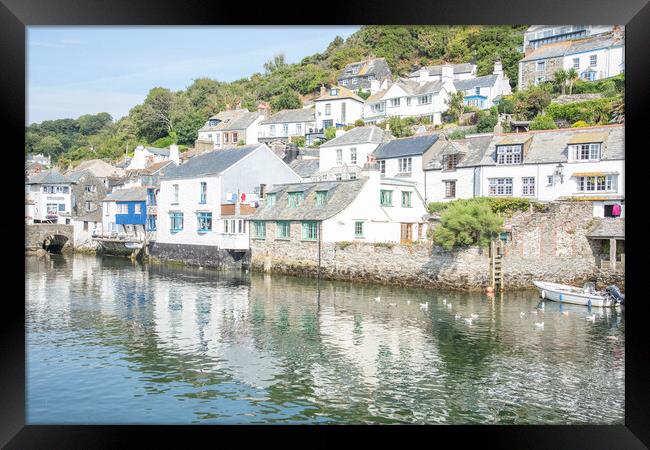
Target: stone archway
(44, 236)
(54, 243)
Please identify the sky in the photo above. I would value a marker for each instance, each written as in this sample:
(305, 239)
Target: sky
(73, 71)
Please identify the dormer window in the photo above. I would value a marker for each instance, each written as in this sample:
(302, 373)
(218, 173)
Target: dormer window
(449, 162)
(270, 199)
(585, 152)
(509, 154)
(294, 199)
(477, 90)
(321, 198)
(213, 122)
(334, 92)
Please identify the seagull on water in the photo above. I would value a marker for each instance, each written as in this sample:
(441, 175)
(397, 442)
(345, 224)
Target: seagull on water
(591, 318)
(565, 313)
(449, 305)
(392, 304)
(468, 320)
(457, 316)
(424, 305)
(377, 299)
(474, 316)
(444, 301)
(408, 302)
(522, 314)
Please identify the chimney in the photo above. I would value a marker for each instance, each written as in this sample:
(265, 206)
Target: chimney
(447, 73)
(423, 75)
(374, 86)
(498, 128)
(498, 68)
(174, 155)
(340, 132)
(322, 90)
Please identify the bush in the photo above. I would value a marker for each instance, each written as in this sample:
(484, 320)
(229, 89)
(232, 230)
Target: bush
(461, 133)
(591, 111)
(543, 122)
(359, 123)
(498, 205)
(298, 140)
(436, 207)
(579, 124)
(467, 223)
(330, 133)
(486, 122)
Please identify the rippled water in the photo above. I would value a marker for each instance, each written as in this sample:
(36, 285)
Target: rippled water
(112, 342)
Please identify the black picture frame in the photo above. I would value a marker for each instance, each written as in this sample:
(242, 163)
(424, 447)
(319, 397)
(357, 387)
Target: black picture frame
(16, 15)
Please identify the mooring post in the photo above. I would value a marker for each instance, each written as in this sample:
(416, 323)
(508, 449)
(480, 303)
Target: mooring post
(320, 228)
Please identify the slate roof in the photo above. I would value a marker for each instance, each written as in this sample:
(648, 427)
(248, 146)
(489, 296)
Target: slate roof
(158, 151)
(292, 115)
(75, 176)
(305, 167)
(49, 177)
(97, 167)
(472, 149)
(437, 69)
(134, 194)
(210, 163)
(375, 66)
(342, 93)
(485, 81)
(340, 195)
(563, 48)
(235, 119)
(607, 227)
(414, 145)
(359, 135)
(93, 216)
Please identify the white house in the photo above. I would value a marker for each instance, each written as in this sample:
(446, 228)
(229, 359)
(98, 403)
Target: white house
(144, 156)
(86, 227)
(461, 71)
(546, 165)
(337, 106)
(484, 92)
(594, 58)
(196, 197)
(404, 159)
(538, 35)
(343, 157)
(48, 198)
(412, 98)
(367, 209)
(287, 123)
(370, 75)
(231, 128)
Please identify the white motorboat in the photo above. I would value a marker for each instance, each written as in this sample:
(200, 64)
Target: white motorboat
(586, 295)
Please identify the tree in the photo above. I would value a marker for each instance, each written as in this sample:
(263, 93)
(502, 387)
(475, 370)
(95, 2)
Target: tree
(487, 121)
(277, 62)
(91, 124)
(560, 78)
(455, 105)
(400, 127)
(330, 133)
(572, 76)
(286, 100)
(543, 122)
(49, 146)
(466, 223)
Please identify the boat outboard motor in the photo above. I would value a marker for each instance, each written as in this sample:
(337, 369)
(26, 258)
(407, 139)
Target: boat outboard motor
(614, 292)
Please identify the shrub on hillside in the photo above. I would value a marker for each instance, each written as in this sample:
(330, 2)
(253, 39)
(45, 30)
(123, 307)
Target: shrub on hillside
(593, 112)
(543, 122)
(467, 223)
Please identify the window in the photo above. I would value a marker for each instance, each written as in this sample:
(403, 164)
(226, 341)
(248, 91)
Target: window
(52, 209)
(91, 188)
(85, 226)
(424, 99)
(509, 154)
(528, 186)
(386, 198)
(176, 221)
(122, 208)
(137, 208)
(576, 63)
(404, 165)
(500, 186)
(477, 90)
(294, 199)
(339, 156)
(593, 60)
(62, 207)
(585, 152)
(217, 138)
(175, 194)
(343, 109)
(234, 137)
(272, 130)
(353, 176)
(344, 82)
(382, 167)
(298, 128)
(358, 230)
(408, 101)
(309, 231)
(242, 226)
(541, 65)
(282, 230)
(328, 123)
(259, 230)
(225, 138)
(270, 199)
(89, 206)
(285, 129)
(549, 180)
(539, 80)
(450, 189)
(406, 199)
(151, 223)
(334, 92)
(338, 177)
(204, 221)
(321, 198)
(394, 102)
(328, 109)
(353, 156)
(597, 183)
(371, 77)
(204, 192)
(378, 107)
(449, 162)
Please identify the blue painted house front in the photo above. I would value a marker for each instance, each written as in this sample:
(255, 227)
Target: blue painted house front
(136, 213)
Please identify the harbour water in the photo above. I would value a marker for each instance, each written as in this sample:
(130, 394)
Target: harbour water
(113, 342)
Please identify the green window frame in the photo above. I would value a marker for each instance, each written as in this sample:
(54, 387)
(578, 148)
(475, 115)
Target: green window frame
(204, 221)
(260, 229)
(309, 231)
(358, 229)
(270, 199)
(294, 199)
(386, 198)
(321, 198)
(283, 230)
(406, 199)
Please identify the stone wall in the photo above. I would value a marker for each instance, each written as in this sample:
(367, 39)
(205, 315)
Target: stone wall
(530, 73)
(35, 234)
(199, 255)
(550, 245)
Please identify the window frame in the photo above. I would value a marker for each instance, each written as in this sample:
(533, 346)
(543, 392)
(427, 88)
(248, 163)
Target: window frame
(506, 183)
(295, 199)
(353, 155)
(577, 151)
(309, 234)
(386, 197)
(174, 218)
(203, 192)
(509, 155)
(405, 163)
(283, 225)
(259, 225)
(358, 229)
(407, 195)
(450, 185)
(528, 186)
(203, 218)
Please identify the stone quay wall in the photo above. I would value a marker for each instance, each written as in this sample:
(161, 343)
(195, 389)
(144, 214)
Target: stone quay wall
(549, 245)
(199, 255)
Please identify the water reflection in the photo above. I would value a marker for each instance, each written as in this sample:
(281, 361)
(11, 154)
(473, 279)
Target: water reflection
(114, 342)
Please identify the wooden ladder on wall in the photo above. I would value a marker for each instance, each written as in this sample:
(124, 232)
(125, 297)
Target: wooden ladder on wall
(496, 265)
